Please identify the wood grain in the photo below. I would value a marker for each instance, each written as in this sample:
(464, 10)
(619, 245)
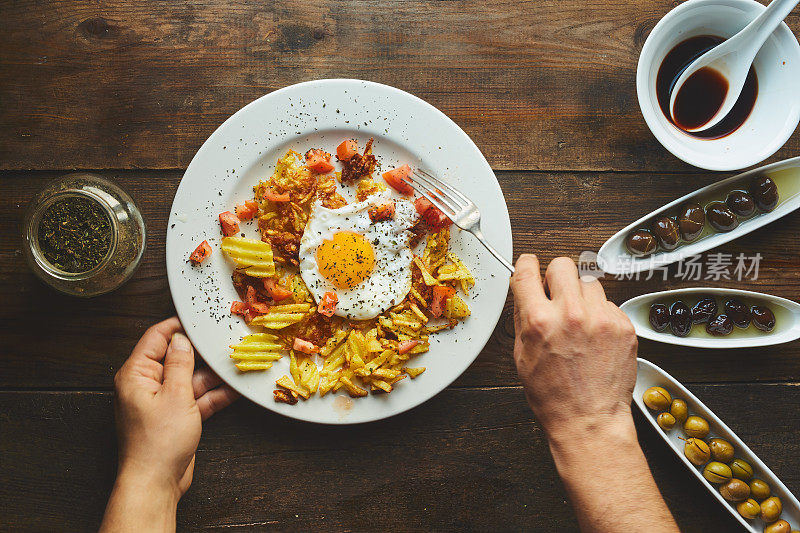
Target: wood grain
(466, 460)
(539, 85)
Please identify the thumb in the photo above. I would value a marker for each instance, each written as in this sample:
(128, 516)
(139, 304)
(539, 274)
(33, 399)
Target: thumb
(527, 286)
(179, 363)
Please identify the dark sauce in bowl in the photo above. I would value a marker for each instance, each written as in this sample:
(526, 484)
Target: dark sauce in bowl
(703, 93)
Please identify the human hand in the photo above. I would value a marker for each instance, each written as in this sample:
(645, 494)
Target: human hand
(575, 351)
(160, 403)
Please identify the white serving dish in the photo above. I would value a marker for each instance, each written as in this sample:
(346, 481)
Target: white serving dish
(777, 108)
(649, 375)
(614, 257)
(787, 319)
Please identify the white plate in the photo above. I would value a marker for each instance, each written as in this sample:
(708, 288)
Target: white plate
(787, 319)
(649, 375)
(321, 114)
(614, 258)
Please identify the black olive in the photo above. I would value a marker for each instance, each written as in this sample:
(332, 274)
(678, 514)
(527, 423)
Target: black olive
(764, 192)
(720, 326)
(641, 243)
(741, 203)
(691, 221)
(721, 217)
(666, 231)
(659, 317)
(704, 310)
(680, 319)
(738, 312)
(763, 317)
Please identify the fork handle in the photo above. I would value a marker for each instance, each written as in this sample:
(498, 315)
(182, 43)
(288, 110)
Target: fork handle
(477, 232)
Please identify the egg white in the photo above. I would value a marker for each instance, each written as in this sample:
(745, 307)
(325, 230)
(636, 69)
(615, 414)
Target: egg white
(390, 279)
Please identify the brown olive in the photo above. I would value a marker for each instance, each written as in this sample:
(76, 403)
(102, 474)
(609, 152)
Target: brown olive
(737, 312)
(680, 319)
(659, 317)
(696, 450)
(765, 193)
(741, 203)
(781, 526)
(771, 509)
(666, 231)
(641, 243)
(704, 310)
(759, 489)
(749, 508)
(696, 426)
(721, 217)
(720, 326)
(721, 450)
(763, 317)
(691, 221)
(665, 421)
(657, 398)
(735, 490)
(679, 410)
(717, 472)
(741, 469)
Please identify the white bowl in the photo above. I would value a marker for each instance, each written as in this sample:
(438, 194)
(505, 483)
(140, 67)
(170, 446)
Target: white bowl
(787, 319)
(649, 375)
(777, 108)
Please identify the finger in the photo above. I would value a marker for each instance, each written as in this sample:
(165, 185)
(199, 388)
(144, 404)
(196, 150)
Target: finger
(154, 342)
(526, 283)
(203, 380)
(562, 279)
(179, 362)
(216, 400)
(592, 291)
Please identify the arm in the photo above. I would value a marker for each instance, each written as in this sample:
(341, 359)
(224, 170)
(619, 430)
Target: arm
(576, 356)
(160, 404)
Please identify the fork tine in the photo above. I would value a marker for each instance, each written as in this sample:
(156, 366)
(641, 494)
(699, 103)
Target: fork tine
(453, 203)
(449, 202)
(449, 213)
(442, 184)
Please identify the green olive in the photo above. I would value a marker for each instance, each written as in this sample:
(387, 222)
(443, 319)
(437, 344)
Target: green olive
(696, 451)
(666, 421)
(749, 508)
(657, 398)
(721, 450)
(759, 489)
(781, 526)
(679, 410)
(741, 469)
(696, 426)
(735, 490)
(717, 472)
(771, 509)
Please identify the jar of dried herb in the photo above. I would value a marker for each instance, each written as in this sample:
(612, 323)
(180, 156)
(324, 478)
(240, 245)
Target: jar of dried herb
(83, 235)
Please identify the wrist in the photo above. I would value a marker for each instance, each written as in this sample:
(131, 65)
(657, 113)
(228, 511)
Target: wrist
(153, 482)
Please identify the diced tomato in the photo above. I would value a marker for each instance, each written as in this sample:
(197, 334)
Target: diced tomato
(395, 179)
(276, 292)
(319, 161)
(304, 346)
(201, 253)
(248, 315)
(270, 194)
(433, 216)
(383, 210)
(327, 306)
(253, 304)
(229, 223)
(347, 149)
(441, 293)
(238, 308)
(406, 346)
(247, 210)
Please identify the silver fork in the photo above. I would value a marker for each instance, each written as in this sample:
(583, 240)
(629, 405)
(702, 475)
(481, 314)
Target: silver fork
(458, 208)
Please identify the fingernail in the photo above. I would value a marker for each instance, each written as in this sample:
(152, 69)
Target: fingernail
(180, 342)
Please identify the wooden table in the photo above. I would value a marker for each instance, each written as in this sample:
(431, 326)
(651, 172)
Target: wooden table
(545, 88)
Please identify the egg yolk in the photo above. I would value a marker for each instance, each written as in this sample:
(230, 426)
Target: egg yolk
(345, 260)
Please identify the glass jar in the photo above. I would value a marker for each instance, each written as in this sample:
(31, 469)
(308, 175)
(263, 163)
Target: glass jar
(126, 244)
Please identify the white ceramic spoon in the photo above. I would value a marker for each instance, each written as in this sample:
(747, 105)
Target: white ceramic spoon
(733, 58)
(787, 318)
(649, 375)
(614, 258)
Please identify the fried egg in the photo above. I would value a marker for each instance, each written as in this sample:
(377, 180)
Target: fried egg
(366, 264)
